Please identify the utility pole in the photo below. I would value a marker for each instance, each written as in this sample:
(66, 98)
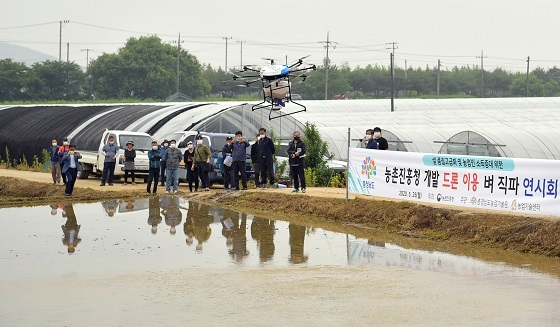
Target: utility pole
(60, 39)
(67, 51)
(87, 56)
(438, 77)
(481, 72)
(178, 61)
(327, 61)
(405, 69)
(226, 38)
(241, 60)
(393, 46)
(527, 80)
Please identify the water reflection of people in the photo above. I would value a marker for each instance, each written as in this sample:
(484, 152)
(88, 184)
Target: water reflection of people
(297, 240)
(171, 212)
(262, 230)
(197, 224)
(54, 209)
(202, 230)
(110, 207)
(154, 216)
(70, 229)
(239, 238)
(227, 230)
(188, 228)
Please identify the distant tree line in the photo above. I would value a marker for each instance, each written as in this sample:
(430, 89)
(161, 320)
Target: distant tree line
(146, 69)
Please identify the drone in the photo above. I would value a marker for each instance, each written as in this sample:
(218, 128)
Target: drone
(276, 85)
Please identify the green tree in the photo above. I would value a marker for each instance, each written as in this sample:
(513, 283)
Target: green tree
(146, 68)
(14, 80)
(59, 80)
(317, 149)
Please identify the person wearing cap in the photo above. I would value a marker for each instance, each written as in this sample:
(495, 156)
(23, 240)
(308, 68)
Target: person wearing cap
(163, 165)
(129, 155)
(172, 158)
(154, 156)
(70, 167)
(55, 163)
(226, 152)
(369, 141)
(188, 159)
(382, 143)
(111, 152)
(63, 148)
(202, 155)
(255, 154)
(239, 155)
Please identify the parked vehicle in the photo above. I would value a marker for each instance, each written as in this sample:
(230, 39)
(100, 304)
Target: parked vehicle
(215, 141)
(92, 160)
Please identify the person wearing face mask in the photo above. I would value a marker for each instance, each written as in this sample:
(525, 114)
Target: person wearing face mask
(296, 151)
(71, 166)
(192, 175)
(382, 143)
(129, 155)
(266, 149)
(369, 141)
(163, 165)
(111, 152)
(155, 157)
(63, 148)
(239, 155)
(226, 152)
(55, 163)
(202, 164)
(172, 157)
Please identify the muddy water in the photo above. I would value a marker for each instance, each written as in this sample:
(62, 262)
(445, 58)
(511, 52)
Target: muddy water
(116, 238)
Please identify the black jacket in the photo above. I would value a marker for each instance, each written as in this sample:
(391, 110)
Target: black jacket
(292, 149)
(255, 153)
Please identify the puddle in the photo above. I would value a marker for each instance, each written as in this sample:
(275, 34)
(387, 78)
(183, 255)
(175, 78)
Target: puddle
(170, 233)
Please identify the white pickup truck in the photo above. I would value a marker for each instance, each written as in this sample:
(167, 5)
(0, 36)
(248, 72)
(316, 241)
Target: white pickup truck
(92, 161)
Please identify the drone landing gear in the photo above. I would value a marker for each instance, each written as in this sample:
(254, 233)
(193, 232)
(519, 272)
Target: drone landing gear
(276, 104)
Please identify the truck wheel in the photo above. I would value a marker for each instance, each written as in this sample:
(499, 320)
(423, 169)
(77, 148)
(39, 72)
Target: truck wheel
(84, 174)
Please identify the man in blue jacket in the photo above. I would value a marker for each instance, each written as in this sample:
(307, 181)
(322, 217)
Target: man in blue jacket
(369, 141)
(70, 167)
(110, 151)
(55, 163)
(266, 148)
(239, 155)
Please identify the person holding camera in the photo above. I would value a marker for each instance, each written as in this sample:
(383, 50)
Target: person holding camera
(70, 168)
(296, 152)
(239, 155)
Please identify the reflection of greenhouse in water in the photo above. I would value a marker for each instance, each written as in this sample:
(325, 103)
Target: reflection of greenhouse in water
(515, 127)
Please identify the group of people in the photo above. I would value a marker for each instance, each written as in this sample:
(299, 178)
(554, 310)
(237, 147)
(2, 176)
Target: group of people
(374, 140)
(65, 164)
(165, 160)
(262, 159)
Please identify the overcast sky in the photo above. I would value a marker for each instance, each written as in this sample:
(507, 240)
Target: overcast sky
(454, 31)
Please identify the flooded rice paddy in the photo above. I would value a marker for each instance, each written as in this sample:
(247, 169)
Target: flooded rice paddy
(66, 241)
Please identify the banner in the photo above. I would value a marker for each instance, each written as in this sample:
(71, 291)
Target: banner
(506, 184)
